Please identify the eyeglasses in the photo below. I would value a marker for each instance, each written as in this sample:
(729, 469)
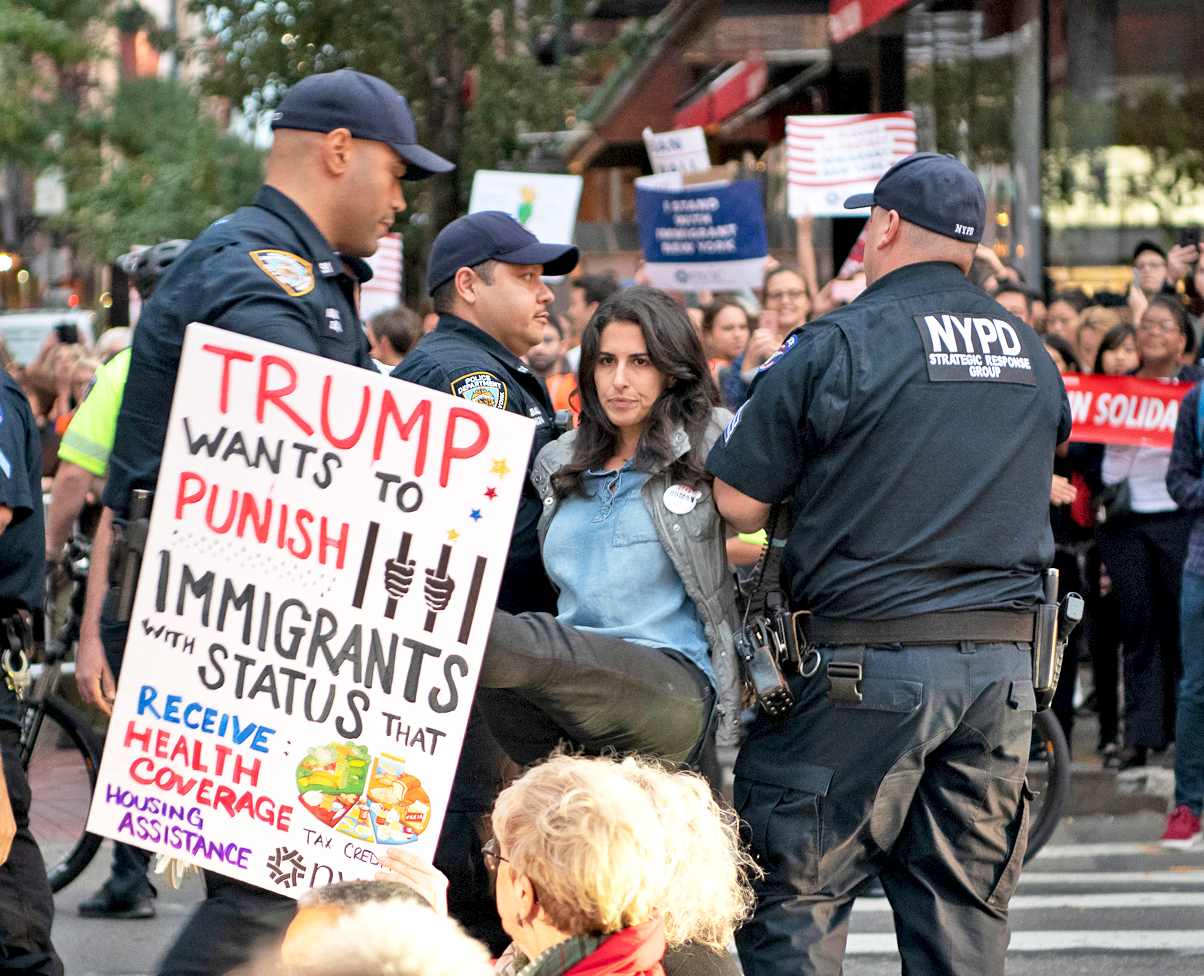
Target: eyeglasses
(1150, 265)
(776, 296)
(1158, 327)
(493, 856)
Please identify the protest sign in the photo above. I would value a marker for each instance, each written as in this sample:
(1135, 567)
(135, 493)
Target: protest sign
(282, 715)
(383, 291)
(680, 151)
(831, 157)
(1123, 409)
(546, 204)
(706, 238)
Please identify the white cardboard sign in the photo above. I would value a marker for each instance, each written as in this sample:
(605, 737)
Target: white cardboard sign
(679, 151)
(831, 157)
(544, 203)
(281, 717)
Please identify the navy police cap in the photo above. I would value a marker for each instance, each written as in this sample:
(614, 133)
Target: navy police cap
(366, 107)
(932, 191)
(492, 235)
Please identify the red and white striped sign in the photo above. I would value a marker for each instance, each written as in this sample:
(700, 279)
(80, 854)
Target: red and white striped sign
(831, 157)
(384, 290)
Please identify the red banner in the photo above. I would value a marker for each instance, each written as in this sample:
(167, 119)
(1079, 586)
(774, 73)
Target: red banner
(1123, 410)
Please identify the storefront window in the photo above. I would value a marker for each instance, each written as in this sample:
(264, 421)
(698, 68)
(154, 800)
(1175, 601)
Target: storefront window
(1126, 132)
(973, 81)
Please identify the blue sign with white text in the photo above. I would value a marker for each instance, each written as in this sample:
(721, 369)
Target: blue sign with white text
(704, 238)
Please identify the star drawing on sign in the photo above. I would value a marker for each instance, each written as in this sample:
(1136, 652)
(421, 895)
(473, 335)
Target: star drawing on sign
(452, 535)
(475, 515)
(500, 468)
(491, 493)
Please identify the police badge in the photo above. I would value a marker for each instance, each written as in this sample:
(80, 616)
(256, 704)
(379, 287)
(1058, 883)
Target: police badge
(483, 388)
(295, 275)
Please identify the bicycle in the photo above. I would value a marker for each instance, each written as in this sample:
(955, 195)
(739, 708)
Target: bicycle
(1052, 775)
(59, 748)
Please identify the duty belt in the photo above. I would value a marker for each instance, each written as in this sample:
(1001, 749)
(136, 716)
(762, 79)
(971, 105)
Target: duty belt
(979, 626)
(845, 668)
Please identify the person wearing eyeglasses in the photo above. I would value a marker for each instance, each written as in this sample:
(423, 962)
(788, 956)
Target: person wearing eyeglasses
(1144, 546)
(787, 305)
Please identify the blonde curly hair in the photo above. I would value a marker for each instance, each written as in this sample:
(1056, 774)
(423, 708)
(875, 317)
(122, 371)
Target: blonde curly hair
(707, 894)
(589, 840)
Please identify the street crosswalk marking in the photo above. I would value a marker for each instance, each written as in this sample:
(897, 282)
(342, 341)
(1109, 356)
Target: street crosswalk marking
(1136, 899)
(880, 943)
(1063, 851)
(1181, 876)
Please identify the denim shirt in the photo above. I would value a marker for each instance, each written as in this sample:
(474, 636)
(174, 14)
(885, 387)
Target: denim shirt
(695, 544)
(603, 556)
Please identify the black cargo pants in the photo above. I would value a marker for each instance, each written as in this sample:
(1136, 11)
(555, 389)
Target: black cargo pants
(921, 784)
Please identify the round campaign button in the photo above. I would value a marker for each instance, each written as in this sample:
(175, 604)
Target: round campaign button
(679, 499)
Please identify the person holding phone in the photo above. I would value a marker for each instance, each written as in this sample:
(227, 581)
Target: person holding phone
(787, 305)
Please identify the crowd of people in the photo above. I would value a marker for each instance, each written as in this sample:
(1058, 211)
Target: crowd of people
(661, 432)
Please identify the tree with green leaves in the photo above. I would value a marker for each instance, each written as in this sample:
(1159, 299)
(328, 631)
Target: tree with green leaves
(153, 166)
(464, 65)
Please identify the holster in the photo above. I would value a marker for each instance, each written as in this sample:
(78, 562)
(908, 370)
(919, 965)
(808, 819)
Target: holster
(125, 553)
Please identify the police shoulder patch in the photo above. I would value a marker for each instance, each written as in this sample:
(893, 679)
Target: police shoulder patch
(784, 348)
(481, 387)
(295, 275)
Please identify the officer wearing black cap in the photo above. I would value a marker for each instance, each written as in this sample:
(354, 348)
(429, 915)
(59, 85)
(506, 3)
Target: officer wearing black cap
(274, 271)
(914, 431)
(484, 277)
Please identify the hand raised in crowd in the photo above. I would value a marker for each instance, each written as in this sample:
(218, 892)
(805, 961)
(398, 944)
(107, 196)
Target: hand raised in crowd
(438, 591)
(1180, 262)
(1062, 492)
(1198, 269)
(398, 577)
(409, 869)
(763, 343)
(1137, 303)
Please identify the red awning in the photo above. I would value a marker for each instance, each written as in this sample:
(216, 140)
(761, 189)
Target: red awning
(847, 17)
(730, 92)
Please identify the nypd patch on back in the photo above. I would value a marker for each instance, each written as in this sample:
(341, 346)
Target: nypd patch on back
(295, 275)
(483, 388)
(969, 348)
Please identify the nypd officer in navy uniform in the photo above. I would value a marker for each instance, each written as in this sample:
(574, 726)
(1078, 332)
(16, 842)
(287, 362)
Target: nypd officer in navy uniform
(483, 273)
(343, 141)
(914, 431)
(26, 904)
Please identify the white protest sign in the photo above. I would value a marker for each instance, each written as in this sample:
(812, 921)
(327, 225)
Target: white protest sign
(281, 717)
(544, 203)
(679, 151)
(831, 157)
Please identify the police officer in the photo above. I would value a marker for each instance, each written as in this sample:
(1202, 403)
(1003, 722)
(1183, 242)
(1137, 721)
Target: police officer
(484, 277)
(343, 140)
(26, 904)
(914, 431)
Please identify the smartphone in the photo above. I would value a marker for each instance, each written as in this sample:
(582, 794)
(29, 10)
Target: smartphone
(68, 334)
(1189, 237)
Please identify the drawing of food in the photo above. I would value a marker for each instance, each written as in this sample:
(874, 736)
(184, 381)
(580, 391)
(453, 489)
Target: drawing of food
(331, 779)
(399, 806)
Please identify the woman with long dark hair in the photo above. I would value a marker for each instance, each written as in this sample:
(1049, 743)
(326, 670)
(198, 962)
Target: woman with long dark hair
(634, 544)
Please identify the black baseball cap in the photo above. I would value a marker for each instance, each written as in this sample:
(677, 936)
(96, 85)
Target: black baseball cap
(932, 191)
(492, 235)
(367, 107)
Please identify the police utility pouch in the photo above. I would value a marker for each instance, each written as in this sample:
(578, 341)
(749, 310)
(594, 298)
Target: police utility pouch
(766, 645)
(1053, 626)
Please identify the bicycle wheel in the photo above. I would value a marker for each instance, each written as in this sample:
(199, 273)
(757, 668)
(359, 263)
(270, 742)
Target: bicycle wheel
(62, 775)
(1050, 779)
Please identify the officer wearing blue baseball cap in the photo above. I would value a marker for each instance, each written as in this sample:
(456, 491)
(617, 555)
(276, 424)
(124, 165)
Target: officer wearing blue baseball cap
(484, 275)
(274, 271)
(914, 432)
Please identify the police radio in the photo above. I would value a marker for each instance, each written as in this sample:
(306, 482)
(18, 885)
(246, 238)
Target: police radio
(1054, 624)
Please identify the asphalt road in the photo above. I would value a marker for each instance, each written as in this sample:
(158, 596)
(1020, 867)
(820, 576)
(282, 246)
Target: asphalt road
(1101, 900)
